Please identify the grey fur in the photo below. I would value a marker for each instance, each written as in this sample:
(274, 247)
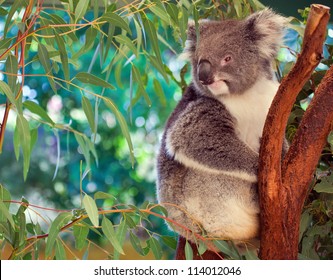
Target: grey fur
(206, 172)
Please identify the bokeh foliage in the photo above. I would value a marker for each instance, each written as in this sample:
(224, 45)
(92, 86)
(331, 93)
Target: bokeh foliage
(87, 86)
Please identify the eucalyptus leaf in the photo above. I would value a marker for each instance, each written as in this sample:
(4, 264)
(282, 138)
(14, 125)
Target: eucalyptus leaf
(116, 20)
(188, 251)
(12, 70)
(108, 230)
(81, 9)
(80, 234)
(61, 220)
(25, 142)
(44, 58)
(88, 78)
(38, 110)
(91, 208)
(63, 55)
(88, 110)
(155, 248)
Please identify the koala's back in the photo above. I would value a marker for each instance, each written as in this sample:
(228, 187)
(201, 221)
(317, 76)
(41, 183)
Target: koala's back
(205, 201)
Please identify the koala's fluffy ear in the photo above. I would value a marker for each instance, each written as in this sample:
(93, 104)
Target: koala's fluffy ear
(191, 42)
(266, 29)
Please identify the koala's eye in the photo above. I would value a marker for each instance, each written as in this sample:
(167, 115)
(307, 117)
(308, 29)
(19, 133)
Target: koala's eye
(227, 58)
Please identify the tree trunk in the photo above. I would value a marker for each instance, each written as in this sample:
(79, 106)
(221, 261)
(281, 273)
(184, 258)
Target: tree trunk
(283, 185)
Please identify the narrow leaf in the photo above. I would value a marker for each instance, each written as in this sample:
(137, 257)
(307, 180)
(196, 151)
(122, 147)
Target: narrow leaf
(116, 20)
(156, 248)
(136, 244)
(24, 133)
(44, 59)
(5, 214)
(123, 126)
(63, 55)
(61, 220)
(14, 7)
(151, 32)
(12, 69)
(4, 88)
(60, 252)
(103, 195)
(108, 230)
(159, 92)
(88, 78)
(224, 247)
(33, 107)
(188, 251)
(88, 110)
(170, 242)
(91, 208)
(122, 39)
(121, 235)
(81, 9)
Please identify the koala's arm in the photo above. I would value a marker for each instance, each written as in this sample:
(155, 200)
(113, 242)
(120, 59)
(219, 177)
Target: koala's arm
(203, 137)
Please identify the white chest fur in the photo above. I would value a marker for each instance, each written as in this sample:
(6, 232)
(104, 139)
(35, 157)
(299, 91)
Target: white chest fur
(250, 110)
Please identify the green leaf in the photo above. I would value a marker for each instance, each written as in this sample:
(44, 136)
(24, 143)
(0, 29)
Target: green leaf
(121, 236)
(202, 247)
(14, 7)
(16, 143)
(159, 66)
(60, 252)
(81, 9)
(188, 251)
(123, 126)
(122, 39)
(152, 36)
(141, 88)
(170, 242)
(183, 23)
(159, 92)
(12, 68)
(156, 248)
(108, 230)
(61, 220)
(135, 241)
(103, 195)
(173, 11)
(116, 20)
(91, 208)
(88, 110)
(44, 59)
(33, 138)
(63, 55)
(88, 78)
(57, 20)
(225, 248)
(326, 185)
(5, 215)
(4, 88)
(33, 107)
(251, 255)
(25, 141)
(80, 234)
(160, 12)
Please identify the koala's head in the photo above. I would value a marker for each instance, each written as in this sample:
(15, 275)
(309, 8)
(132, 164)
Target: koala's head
(230, 55)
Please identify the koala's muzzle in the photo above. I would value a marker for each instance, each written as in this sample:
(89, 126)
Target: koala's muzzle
(205, 73)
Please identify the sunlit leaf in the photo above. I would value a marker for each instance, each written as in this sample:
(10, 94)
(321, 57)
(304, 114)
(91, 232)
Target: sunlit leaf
(160, 12)
(88, 78)
(108, 230)
(91, 208)
(123, 126)
(103, 195)
(4, 88)
(81, 9)
(38, 110)
(61, 220)
(159, 92)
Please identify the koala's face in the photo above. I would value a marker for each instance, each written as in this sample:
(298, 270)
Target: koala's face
(230, 56)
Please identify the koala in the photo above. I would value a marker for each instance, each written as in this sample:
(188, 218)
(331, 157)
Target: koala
(208, 159)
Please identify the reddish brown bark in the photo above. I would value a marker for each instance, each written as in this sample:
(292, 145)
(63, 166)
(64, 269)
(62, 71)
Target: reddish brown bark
(283, 187)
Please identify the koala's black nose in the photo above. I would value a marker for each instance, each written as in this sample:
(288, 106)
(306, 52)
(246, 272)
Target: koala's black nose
(205, 73)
